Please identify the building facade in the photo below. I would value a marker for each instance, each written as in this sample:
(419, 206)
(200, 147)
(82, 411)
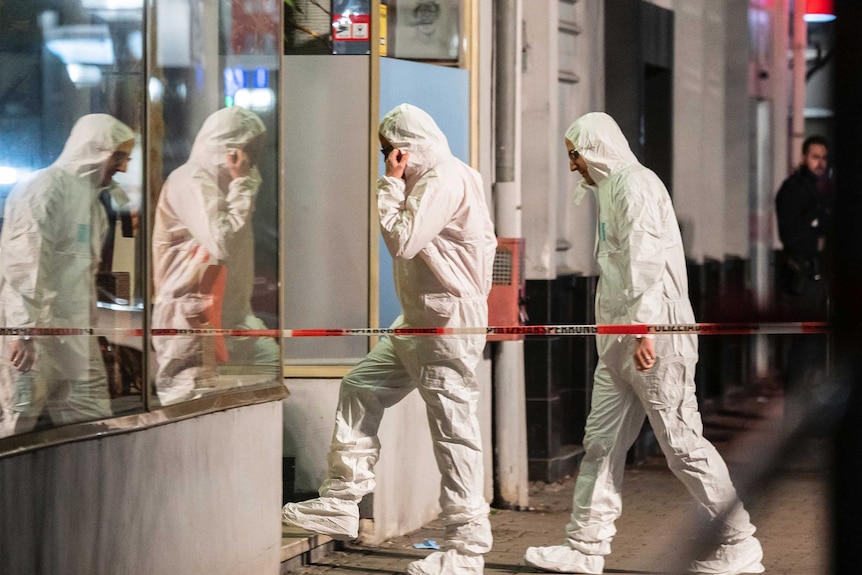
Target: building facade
(195, 486)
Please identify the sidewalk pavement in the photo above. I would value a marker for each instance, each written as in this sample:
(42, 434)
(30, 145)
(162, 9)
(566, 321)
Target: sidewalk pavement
(658, 523)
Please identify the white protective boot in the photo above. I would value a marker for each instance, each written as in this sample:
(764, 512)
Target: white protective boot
(448, 563)
(563, 559)
(733, 558)
(331, 516)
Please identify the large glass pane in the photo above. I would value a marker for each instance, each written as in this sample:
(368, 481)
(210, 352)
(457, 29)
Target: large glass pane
(326, 206)
(71, 88)
(214, 174)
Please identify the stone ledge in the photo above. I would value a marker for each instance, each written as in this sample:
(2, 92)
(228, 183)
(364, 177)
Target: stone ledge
(300, 548)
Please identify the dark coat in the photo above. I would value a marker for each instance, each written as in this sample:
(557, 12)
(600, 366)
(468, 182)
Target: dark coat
(803, 215)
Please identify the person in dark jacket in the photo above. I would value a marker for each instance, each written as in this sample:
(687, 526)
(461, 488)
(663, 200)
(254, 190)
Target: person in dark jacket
(802, 207)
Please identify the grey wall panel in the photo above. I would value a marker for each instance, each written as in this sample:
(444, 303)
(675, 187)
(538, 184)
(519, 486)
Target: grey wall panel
(201, 496)
(325, 106)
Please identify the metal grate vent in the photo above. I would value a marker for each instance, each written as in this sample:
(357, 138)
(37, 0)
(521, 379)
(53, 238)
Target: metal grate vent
(502, 268)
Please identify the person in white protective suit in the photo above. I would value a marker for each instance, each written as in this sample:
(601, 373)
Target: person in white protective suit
(642, 281)
(204, 229)
(54, 228)
(436, 224)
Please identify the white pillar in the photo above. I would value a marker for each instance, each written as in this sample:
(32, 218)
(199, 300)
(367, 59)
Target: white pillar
(510, 399)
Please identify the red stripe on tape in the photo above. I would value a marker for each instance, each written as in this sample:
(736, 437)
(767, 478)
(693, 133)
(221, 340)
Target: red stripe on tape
(532, 330)
(637, 329)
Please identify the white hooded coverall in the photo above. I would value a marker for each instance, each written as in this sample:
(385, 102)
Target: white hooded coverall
(438, 230)
(50, 247)
(205, 219)
(642, 280)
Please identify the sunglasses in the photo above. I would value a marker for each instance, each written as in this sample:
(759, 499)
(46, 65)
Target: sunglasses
(386, 151)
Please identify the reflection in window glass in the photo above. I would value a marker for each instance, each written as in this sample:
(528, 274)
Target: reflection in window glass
(215, 224)
(307, 27)
(424, 29)
(70, 189)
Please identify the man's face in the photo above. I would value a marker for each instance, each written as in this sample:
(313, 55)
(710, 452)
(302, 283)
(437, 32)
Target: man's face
(816, 159)
(577, 163)
(118, 162)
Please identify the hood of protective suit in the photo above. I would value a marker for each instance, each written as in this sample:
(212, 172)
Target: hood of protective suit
(223, 131)
(94, 138)
(411, 129)
(601, 143)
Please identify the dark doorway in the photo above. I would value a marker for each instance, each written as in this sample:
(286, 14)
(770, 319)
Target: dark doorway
(657, 131)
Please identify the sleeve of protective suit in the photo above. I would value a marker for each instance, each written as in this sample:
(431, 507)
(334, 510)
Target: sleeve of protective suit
(222, 215)
(641, 225)
(409, 223)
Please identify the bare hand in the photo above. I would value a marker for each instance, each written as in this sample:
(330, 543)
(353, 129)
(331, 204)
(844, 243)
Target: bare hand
(396, 163)
(239, 164)
(23, 355)
(644, 354)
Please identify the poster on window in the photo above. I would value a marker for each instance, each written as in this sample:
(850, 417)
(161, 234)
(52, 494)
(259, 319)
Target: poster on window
(255, 27)
(426, 29)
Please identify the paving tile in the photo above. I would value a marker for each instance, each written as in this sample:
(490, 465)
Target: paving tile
(659, 520)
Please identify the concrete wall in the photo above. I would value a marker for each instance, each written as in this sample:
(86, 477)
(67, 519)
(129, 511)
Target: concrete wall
(737, 128)
(576, 224)
(196, 497)
(563, 78)
(711, 127)
(407, 478)
(540, 109)
(698, 120)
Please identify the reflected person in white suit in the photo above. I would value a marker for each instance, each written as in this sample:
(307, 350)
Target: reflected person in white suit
(54, 229)
(203, 258)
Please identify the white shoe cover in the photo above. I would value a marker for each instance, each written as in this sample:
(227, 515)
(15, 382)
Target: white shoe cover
(447, 563)
(743, 556)
(563, 559)
(327, 515)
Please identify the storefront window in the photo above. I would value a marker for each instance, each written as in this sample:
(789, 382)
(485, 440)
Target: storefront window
(214, 175)
(426, 30)
(71, 189)
(139, 187)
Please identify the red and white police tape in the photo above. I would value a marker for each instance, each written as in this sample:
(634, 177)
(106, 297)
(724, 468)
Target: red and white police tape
(756, 328)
